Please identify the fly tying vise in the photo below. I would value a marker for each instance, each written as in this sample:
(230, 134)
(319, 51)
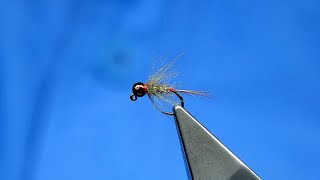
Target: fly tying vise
(195, 139)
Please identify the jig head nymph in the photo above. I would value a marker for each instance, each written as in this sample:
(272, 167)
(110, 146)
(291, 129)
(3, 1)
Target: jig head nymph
(159, 89)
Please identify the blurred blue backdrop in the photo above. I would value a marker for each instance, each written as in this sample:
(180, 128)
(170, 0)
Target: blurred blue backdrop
(67, 68)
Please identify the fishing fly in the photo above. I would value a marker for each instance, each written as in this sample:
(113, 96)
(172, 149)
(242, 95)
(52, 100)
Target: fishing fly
(159, 88)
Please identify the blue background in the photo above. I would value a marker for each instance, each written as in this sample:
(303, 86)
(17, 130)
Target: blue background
(67, 68)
